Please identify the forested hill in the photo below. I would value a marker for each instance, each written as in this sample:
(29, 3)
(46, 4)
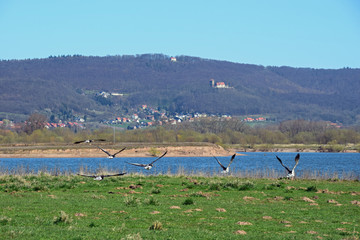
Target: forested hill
(68, 85)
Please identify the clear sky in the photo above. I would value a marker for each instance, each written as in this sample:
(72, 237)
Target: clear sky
(297, 33)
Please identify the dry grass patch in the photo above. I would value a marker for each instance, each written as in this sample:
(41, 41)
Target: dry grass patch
(155, 212)
(193, 210)
(326, 191)
(123, 212)
(332, 201)
(284, 221)
(221, 209)
(80, 215)
(306, 199)
(175, 207)
(240, 232)
(133, 192)
(244, 223)
(247, 198)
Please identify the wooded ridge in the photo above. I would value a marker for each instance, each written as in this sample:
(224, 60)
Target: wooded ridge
(70, 86)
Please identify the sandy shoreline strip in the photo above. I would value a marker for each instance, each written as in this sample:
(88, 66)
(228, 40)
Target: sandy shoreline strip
(173, 151)
(132, 150)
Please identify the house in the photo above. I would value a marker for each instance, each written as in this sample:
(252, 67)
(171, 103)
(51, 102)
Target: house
(135, 116)
(220, 85)
(173, 59)
(214, 84)
(103, 94)
(249, 119)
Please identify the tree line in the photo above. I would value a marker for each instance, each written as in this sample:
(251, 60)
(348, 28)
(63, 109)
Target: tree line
(211, 130)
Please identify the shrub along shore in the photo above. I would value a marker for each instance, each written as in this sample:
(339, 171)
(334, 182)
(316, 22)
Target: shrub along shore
(319, 136)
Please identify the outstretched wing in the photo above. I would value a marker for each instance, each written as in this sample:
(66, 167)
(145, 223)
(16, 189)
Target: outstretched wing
(158, 158)
(297, 157)
(119, 151)
(90, 140)
(86, 175)
(137, 164)
(222, 166)
(287, 169)
(232, 159)
(113, 175)
(104, 151)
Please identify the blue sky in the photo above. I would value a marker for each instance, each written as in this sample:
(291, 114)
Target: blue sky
(297, 33)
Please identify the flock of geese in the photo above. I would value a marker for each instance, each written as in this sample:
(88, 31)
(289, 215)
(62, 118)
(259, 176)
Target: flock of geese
(290, 173)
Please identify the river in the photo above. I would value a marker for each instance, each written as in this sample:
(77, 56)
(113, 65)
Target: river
(258, 164)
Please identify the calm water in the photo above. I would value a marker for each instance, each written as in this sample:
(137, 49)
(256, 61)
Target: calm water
(343, 165)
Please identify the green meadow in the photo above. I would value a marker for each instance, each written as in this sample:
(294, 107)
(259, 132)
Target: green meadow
(44, 206)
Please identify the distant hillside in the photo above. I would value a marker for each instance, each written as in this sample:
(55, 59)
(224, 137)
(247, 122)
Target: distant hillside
(67, 86)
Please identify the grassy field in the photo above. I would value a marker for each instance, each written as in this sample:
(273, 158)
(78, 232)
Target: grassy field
(177, 207)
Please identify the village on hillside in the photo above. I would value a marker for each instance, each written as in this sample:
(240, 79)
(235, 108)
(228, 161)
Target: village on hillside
(144, 117)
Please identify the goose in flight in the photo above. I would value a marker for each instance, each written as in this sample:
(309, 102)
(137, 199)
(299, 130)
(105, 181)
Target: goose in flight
(291, 173)
(110, 156)
(147, 166)
(226, 169)
(101, 177)
(90, 141)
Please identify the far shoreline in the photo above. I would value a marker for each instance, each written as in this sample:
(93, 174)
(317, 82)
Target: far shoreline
(146, 150)
(94, 152)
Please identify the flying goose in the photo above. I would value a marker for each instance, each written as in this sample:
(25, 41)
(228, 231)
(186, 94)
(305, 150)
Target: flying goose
(101, 177)
(110, 156)
(90, 141)
(226, 169)
(291, 173)
(147, 166)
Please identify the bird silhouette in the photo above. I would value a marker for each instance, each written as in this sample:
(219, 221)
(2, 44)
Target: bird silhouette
(101, 177)
(226, 169)
(290, 173)
(110, 156)
(90, 141)
(147, 166)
